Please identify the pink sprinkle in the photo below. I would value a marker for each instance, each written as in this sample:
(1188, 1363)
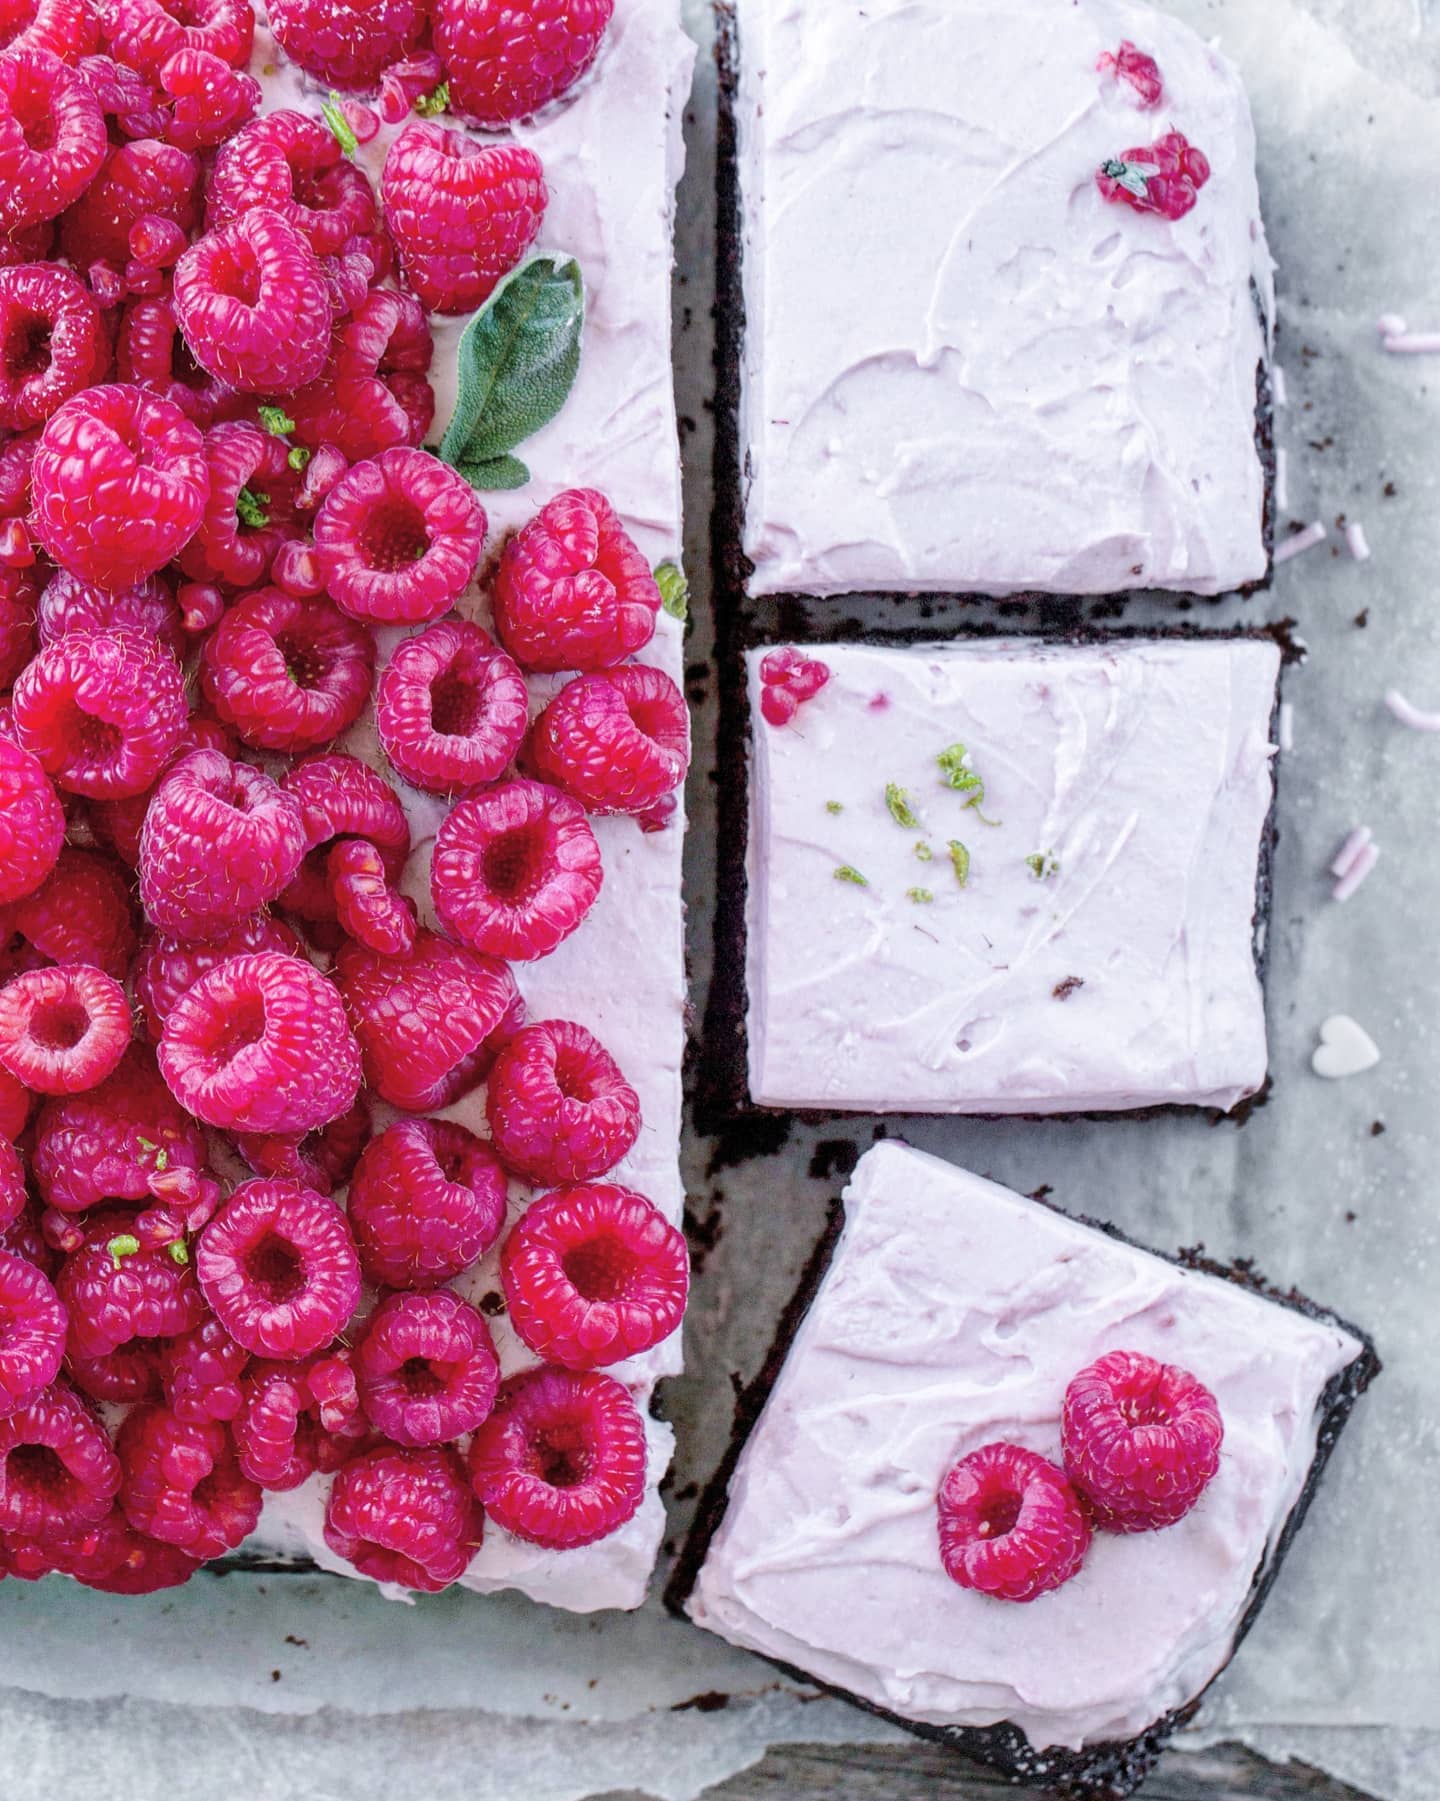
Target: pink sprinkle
(1287, 725)
(1357, 874)
(1414, 343)
(1278, 387)
(1358, 542)
(1415, 717)
(1306, 540)
(1352, 850)
(1282, 479)
(1391, 325)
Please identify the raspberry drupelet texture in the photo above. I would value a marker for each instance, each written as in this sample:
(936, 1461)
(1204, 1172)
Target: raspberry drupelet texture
(109, 1145)
(53, 342)
(147, 179)
(12, 1170)
(425, 1023)
(183, 1483)
(116, 1559)
(426, 1368)
(63, 1030)
(506, 61)
(68, 29)
(399, 538)
(33, 1322)
(151, 353)
(561, 1460)
(69, 604)
(250, 512)
(32, 823)
(426, 1201)
(19, 594)
(221, 840)
(367, 908)
(515, 871)
(252, 301)
(169, 967)
(347, 43)
(200, 1373)
(293, 165)
(788, 678)
(297, 1418)
(341, 798)
(1141, 1441)
(462, 215)
(405, 1516)
(124, 1376)
(451, 708)
(81, 913)
(209, 99)
(116, 1291)
(1011, 1526)
(58, 1471)
(559, 1109)
(145, 34)
(323, 1160)
(1141, 72)
(288, 674)
(572, 590)
(1164, 177)
(618, 742)
(261, 1044)
(593, 1275)
(52, 138)
(373, 393)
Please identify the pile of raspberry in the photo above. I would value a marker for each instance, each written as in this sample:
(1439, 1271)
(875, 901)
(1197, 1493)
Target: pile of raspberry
(236, 1241)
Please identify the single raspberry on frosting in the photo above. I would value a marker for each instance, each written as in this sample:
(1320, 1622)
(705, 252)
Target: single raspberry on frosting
(251, 299)
(32, 823)
(69, 604)
(168, 967)
(593, 1275)
(250, 512)
(426, 1201)
(289, 674)
(405, 1516)
(293, 165)
(297, 1418)
(399, 538)
(572, 590)
(278, 1266)
(515, 871)
(506, 61)
(53, 342)
(788, 678)
(1164, 177)
(462, 215)
(145, 34)
(341, 798)
(1141, 1441)
(347, 43)
(116, 1559)
(116, 1291)
(426, 1368)
(373, 393)
(81, 913)
(52, 138)
(561, 1460)
(183, 1484)
(58, 1471)
(559, 1108)
(111, 1143)
(68, 29)
(200, 1373)
(144, 180)
(1140, 71)
(63, 1030)
(1011, 1526)
(619, 742)
(451, 708)
(367, 908)
(33, 1322)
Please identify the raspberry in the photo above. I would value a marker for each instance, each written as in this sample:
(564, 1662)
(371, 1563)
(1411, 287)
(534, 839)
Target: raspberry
(372, 394)
(278, 1266)
(80, 914)
(32, 824)
(293, 165)
(52, 138)
(593, 1275)
(68, 29)
(126, 1375)
(295, 1419)
(52, 342)
(151, 353)
(406, 1517)
(367, 907)
(424, 1022)
(12, 1170)
(260, 1044)
(221, 840)
(116, 1291)
(399, 538)
(506, 61)
(1165, 177)
(32, 1332)
(341, 798)
(63, 1030)
(347, 43)
(561, 1460)
(110, 1144)
(123, 96)
(618, 742)
(1141, 1441)
(210, 99)
(461, 215)
(113, 1557)
(559, 1108)
(145, 34)
(516, 869)
(169, 967)
(251, 299)
(1011, 1526)
(572, 590)
(426, 1368)
(788, 678)
(1142, 72)
(15, 1099)
(200, 1373)
(250, 510)
(19, 593)
(323, 1160)
(58, 1472)
(451, 708)
(119, 484)
(69, 604)
(183, 1484)
(427, 1200)
(147, 179)
(289, 674)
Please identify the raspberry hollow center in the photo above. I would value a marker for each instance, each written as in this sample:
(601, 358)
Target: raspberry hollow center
(513, 864)
(305, 663)
(999, 1515)
(36, 120)
(599, 1269)
(27, 346)
(456, 708)
(38, 1470)
(59, 1025)
(237, 277)
(275, 1268)
(93, 741)
(561, 1456)
(393, 535)
(420, 1378)
(573, 1079)
(239, 1030)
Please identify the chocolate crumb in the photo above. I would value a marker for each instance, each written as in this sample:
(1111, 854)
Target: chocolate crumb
(710, 1702)
(1063, 990)
(1042, 1193)
(492, 1304)
(1362, 618)
(1377, 1128)
(274, 1675)
(1350, 1216)
(302, 1643)
(1389, 490)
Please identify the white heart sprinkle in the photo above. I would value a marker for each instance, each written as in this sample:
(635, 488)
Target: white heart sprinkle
(1345, 1049)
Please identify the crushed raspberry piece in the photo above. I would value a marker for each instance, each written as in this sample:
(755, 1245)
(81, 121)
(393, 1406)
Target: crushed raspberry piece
(372, 394)
(426, 1368)
(183, 1483)
(461, 215)
(293, 165)
(399, 538)
(126, 1375)
(209, 99)
(69, 604)
(405, 1516)
(367, 907)
(515, 871)
(200, 1373)
(572, 590)
(618, 742)
(506, 61)
(278, 1266)
(32, 823)
(559, 1109)
(169, 967)
(52, 138)
(788, 679)
(1142, 72)
(32, 1332)
(251, 299)
(427, 1200)
(68, 29)
(341, 798)
(347, 43)
(561, 1460)
(19, 595)
(63, 1030)
(144, 180)
(289, 674)
(116, 1559)
(151, 353)
(145, 34)
(593, 1275)
(425, 1022)
(109, 1145)
(117, 1290)
(261, 1044)
(81, 913)
(1011, 1526)
(451, 708)
(1141, 1441)
(1164, 177)
(297, 1418)
(323, 1160)
(53, 342)
(250, 512)
(58, 1472)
